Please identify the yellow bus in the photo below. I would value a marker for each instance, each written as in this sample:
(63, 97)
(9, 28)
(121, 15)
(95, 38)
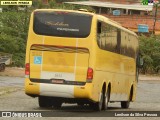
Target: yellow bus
(80, 57)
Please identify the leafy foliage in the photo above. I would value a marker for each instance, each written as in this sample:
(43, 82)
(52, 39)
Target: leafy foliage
(150, 50)
(13, 34)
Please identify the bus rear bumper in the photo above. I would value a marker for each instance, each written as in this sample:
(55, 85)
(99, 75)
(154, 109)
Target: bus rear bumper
(58, 90)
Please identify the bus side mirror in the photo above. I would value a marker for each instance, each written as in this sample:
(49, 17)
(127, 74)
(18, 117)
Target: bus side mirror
(141, 62)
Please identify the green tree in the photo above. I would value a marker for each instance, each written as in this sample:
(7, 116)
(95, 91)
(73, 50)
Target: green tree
(150, 50)
(13, 34)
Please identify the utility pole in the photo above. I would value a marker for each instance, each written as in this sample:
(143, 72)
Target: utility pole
(155, 18)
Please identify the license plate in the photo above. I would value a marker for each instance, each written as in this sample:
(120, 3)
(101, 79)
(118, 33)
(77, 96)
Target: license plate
(57, 81)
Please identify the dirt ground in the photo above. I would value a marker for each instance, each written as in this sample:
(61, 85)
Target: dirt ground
(13, 72)
(20, 72)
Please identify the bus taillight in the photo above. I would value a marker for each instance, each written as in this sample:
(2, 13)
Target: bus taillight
(27, 69)
(90, 74)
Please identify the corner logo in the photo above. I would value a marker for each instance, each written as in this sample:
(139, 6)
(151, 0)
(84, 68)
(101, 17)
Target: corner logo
(149, 2)
(6, 114)
(16, 2)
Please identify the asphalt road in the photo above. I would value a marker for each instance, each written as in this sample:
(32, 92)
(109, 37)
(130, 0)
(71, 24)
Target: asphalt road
(13, 98)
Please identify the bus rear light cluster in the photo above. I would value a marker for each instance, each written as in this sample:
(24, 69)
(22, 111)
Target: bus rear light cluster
(27, 69)
(89, 74)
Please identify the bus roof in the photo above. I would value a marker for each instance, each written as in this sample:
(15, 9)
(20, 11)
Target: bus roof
(78, 11)
(109, 21)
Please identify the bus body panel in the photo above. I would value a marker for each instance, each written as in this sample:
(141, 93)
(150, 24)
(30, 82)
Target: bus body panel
(119, 70)
(67, 66)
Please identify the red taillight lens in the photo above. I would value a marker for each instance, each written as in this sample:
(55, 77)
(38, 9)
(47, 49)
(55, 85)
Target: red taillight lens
(90, 74)
(27, 69)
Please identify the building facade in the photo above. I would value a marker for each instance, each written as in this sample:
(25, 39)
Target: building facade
(129, 13)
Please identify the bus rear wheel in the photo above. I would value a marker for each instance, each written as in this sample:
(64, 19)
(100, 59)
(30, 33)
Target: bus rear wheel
(98, 105)
(80, 104)
(57, 104)
(125, 104)
(44, 102)
(105, 100)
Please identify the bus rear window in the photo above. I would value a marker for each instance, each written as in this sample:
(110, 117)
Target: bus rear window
(62, 24)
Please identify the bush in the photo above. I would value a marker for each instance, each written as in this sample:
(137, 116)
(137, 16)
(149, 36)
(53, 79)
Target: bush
(150, 50)
(13, 35)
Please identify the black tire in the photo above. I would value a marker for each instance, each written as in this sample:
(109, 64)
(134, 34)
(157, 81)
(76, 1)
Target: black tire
(98, 105)
(44, 102)
(105, 100)
(125, 104)
(80, 104)
(57, 104)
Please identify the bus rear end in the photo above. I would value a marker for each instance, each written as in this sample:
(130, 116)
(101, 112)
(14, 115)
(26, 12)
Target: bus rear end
(57, 56)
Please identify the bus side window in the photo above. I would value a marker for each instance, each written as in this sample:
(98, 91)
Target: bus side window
(118, 41)
(99, 24)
